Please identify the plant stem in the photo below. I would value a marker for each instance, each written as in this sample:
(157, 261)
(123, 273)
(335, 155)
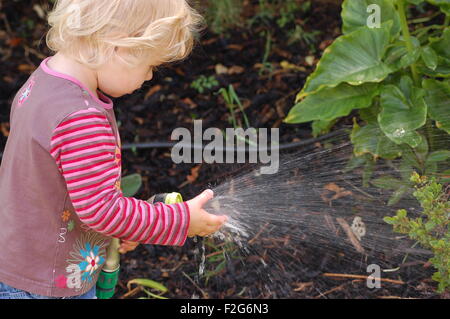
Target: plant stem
(405, 31)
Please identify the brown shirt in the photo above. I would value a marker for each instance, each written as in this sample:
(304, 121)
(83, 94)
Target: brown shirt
(60, 197)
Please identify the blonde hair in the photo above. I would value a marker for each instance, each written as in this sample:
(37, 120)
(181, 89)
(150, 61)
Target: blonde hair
(90, 31)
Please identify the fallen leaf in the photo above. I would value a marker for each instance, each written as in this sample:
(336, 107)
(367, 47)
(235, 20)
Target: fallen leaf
(221, 69)
(324, 44)
(26, 68)
(237, 47)
(289, 66)
(310, 60)
(4, 128)
(194, 173)
(235, 69)
(15, 41)
(140, 120)
(188, 101)
(339, 192)
(351, 236)
(152, 91)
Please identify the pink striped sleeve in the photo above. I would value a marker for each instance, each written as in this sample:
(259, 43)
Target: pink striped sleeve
(84, 148)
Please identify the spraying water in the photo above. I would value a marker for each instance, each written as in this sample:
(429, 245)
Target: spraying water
(313, 211)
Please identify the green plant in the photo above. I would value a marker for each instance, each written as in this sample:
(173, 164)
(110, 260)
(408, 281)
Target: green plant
(153, 289)
(298, 34)
(218, 257)
(233, 101)
(204, 83)
(266, 66)
(432, 228)
(265, 13)
(395, 76)
(287, 13)
(223, 15)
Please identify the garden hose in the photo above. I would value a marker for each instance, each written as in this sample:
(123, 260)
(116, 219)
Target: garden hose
(108, 277)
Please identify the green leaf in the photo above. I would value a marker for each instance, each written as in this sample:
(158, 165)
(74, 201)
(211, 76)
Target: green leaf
(367, 173)
(322, 127)
(444, 5)
(416, 2)
(398, 57)
(422, 149)
(398, 195)
(150, 294)
(441, 45)
(147, 283)
(438, 100)
(390, 220)
(438, 156)
(387, 182)
(355, 58)
(355, 162)
(402, 213)
(329, 104)
(371, 140)
(429, 57)
(401, 115)
(130, 184)
(430, 225)
(355, 14)
(409, 157)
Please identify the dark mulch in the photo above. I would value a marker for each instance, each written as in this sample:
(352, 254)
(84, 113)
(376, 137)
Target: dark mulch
(169, 102)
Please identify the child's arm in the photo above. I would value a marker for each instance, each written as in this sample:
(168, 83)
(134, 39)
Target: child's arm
(83, 146)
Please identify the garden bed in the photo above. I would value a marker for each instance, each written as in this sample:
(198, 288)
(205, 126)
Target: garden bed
(168, 102)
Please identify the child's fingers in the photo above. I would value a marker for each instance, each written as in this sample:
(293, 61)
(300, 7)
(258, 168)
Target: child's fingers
(126, 246)
(214, 220)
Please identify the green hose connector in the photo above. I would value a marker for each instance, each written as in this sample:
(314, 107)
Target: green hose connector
(109, 276)
(106, 284)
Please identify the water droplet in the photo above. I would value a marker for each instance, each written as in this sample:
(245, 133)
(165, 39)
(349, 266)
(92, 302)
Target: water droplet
(399, 132)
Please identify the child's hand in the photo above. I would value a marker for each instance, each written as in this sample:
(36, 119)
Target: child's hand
(202, 223)
(126, 246)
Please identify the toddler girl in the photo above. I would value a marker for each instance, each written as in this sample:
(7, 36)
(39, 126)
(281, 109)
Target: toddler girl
(60, 199)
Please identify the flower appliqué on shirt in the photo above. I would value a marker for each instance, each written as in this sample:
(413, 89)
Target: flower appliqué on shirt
(92, 261)
(87, 259)
(25, 94)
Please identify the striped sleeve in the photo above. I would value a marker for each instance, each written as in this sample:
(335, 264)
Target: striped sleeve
(85, 149)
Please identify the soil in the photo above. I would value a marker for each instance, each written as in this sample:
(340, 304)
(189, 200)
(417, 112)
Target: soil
(168, 102)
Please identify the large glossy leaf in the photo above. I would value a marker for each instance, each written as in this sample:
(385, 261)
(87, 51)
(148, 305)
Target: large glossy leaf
(398, 57)
(429, 57)
(438, 100)
(329, 104)
(355, 58)
(441, 47)
(403, 111)
(370, 139)
(355, 14)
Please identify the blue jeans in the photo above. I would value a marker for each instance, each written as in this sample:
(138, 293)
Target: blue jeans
(8, 292)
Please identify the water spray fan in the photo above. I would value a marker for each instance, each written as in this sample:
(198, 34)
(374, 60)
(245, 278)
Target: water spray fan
(107, 280)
